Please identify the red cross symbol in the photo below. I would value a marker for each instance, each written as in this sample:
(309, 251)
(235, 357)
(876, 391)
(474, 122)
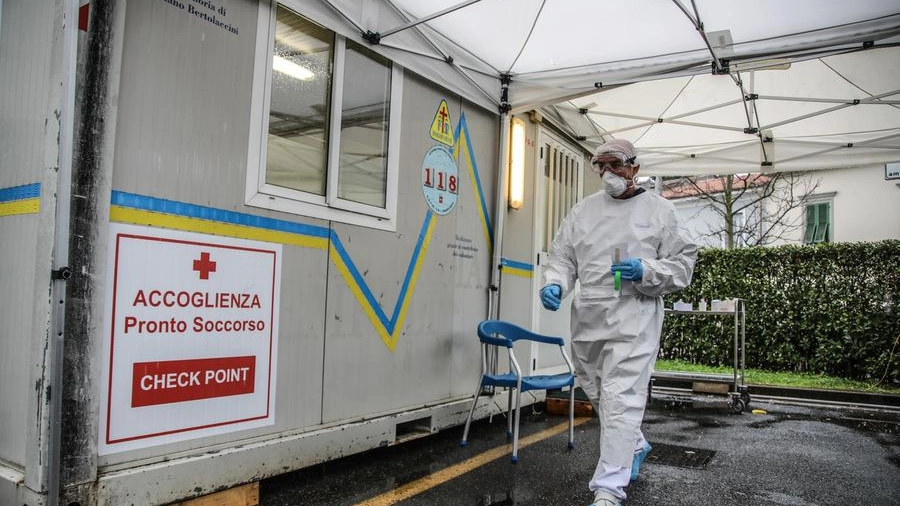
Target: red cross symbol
(443, 114)
(204, 266)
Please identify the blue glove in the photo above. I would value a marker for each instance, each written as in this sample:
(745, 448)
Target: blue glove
(550, 297)
(631, 268)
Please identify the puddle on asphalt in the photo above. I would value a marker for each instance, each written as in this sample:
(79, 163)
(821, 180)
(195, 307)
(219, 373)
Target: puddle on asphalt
(501, 499)
(711, 423)
(409, 476)
(879, 423)
(852, 421)
(894, 459)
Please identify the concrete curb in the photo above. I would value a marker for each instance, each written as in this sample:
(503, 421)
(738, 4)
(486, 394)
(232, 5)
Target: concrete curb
(843, 396)
(810, 394)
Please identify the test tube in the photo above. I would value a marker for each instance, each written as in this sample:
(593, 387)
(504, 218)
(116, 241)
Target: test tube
(617, 257)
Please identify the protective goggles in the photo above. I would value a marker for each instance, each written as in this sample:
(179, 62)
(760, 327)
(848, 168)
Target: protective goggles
(617, 164)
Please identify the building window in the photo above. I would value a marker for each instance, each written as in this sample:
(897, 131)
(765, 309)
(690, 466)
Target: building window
(818, 223)
(740, 234)
(320, 147)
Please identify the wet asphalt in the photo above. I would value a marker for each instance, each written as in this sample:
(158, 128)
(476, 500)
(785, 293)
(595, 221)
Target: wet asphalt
(704, 454)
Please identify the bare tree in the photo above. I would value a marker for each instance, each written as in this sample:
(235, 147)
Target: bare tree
(767, 199)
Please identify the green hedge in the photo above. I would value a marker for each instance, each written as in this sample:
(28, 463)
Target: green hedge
(825, 309)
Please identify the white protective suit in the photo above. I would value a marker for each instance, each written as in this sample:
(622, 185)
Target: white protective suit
(615, 334)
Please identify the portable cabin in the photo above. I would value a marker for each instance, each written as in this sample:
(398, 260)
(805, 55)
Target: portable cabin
(244, 237)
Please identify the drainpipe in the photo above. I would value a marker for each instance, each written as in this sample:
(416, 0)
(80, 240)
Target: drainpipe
(502, 197)
(92, 168)
(60, 272)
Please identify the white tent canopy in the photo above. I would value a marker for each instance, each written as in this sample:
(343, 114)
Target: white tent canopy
(800, 118)
(697, 85)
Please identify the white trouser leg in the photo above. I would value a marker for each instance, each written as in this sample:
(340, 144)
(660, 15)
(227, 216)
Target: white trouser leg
(613, 478)
(640, 442)
(589, 383)
(613, 356)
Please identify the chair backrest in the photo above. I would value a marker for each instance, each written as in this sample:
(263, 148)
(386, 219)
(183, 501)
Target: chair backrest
(503, 333)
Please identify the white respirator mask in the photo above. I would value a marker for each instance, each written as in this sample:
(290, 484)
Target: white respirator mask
(614, 185)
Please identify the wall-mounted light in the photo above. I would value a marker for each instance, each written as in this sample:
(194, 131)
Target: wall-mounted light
(517, 165)
(290, 68)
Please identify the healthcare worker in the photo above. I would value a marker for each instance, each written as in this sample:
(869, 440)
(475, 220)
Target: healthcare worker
(616, 323)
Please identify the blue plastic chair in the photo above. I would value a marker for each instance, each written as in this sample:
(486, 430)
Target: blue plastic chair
(496, 334)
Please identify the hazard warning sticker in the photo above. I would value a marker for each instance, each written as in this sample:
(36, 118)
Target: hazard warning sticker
(441, 126)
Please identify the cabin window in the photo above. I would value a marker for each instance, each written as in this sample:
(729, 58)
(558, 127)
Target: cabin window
(326, 129)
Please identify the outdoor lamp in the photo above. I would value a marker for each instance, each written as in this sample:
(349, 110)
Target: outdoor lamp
(517, 165)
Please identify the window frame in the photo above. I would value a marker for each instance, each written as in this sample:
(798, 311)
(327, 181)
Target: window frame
(739, 231)
(829, 222)
(260, 194)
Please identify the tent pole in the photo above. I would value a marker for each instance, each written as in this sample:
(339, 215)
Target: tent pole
(499, 215)
(378, 38)
(429, 17)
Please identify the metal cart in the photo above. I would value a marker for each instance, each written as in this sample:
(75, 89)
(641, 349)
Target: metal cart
(705, 386)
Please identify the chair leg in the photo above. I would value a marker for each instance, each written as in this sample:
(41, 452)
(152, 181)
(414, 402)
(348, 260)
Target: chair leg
(515, 441)
(465, 437)
(572, 417)
(509, 414)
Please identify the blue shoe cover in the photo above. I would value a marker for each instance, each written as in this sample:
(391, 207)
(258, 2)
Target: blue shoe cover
(638, 460)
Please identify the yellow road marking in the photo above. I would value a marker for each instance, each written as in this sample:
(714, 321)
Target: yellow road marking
(432, 480)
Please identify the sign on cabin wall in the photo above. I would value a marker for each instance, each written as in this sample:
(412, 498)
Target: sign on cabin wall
(191, 336)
